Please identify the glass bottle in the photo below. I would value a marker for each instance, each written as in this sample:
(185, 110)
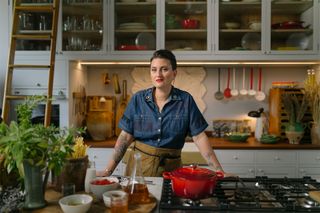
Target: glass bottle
(137, 188)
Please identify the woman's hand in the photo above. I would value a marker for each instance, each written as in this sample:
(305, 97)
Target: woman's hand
(103, 173)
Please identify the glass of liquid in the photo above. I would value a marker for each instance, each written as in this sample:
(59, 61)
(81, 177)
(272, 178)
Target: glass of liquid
(119, 202)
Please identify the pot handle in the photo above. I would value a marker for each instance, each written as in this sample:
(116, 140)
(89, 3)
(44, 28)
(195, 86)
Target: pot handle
(166, 175)
(220, 175)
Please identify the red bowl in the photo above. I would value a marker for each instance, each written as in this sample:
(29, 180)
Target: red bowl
(132, 47)
(190, 23)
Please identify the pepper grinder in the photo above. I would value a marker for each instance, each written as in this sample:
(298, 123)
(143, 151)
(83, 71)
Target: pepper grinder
(260, 120)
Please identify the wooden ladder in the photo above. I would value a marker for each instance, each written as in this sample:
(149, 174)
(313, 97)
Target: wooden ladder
(51, 8)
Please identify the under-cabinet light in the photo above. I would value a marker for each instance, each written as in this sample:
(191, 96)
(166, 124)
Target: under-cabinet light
(200, 63)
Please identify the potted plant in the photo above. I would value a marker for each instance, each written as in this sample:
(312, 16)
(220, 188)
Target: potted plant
(295, 111)
(75, 167)
(34, 150)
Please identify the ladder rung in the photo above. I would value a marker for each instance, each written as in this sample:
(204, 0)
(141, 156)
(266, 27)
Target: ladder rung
(32, 37)
(16, 97)
(26, 66)
(38, 8)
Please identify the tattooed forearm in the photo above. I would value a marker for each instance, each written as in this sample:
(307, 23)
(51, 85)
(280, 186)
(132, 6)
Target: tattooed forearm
(120, 148)
(210, 158)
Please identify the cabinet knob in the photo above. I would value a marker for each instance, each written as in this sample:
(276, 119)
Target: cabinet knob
(318, 158)
(260, 170)
(302, 170)
(276, 158)
(235, 157)
(250, 170)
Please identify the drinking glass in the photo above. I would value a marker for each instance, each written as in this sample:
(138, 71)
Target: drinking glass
(119, 202)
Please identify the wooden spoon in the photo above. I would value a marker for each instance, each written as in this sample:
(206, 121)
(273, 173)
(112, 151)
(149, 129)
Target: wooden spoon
(251, 91)
(227, 91)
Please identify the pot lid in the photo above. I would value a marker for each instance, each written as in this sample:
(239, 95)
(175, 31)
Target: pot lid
(193, 172)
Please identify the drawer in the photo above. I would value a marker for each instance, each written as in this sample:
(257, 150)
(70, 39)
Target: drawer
(313, 172)
(235, 156)
(246, 171)
(276, 171)
(276, 157)
(309, 157)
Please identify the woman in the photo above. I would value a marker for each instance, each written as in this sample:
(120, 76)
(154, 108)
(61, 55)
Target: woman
(157, 120)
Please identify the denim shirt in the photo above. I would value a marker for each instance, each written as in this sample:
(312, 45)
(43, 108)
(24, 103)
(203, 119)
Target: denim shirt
(179, 117)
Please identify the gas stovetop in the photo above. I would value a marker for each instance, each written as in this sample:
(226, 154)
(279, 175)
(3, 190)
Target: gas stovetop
(260, 194)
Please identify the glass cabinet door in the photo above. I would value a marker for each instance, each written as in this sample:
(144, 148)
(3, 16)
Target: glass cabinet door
(34, 22)
(135, 25)
(239, 25)
(82, 25)
(292, 25)
(186, 25)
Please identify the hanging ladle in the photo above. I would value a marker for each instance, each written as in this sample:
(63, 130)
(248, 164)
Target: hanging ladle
(234, 91)
(260, 96)
(243, 91)
(251, 91)
(227, 91)
(219, 95)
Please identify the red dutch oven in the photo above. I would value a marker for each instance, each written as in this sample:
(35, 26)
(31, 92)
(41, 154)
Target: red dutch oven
(193, 182)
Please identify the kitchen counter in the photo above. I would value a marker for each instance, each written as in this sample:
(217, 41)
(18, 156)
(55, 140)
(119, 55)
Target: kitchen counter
(52, 197)
(221, 143)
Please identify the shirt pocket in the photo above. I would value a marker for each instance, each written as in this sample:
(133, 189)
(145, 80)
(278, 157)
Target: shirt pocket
(178, 124)
(143, 124)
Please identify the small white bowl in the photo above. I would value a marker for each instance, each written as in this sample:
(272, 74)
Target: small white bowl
(255, 25)
(232, 25)
(107, 196)
(77, 203)
(98, 190)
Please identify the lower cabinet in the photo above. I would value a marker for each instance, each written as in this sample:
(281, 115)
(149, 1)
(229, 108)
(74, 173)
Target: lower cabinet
(101, 157)
(309, 163)
(244, 163)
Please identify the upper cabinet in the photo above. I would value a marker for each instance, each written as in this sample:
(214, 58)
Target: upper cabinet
(239, 25)
(267, 27)
(186, 26)
(134, 25)
(292, 26)
(193, 29)
(34, 22)
(82, 25)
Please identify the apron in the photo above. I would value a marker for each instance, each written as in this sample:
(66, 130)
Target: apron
(154, 160)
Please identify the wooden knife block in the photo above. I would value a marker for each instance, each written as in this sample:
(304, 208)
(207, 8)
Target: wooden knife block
(278, 118)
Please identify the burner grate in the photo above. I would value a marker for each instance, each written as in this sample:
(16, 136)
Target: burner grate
(260, 194)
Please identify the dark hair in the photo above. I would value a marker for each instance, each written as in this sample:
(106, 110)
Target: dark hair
(166, 54)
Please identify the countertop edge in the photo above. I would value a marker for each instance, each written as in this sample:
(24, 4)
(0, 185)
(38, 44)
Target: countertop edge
(221, 143)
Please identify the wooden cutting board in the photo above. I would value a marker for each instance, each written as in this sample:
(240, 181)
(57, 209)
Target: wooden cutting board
(121, 106)
(315, 195)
